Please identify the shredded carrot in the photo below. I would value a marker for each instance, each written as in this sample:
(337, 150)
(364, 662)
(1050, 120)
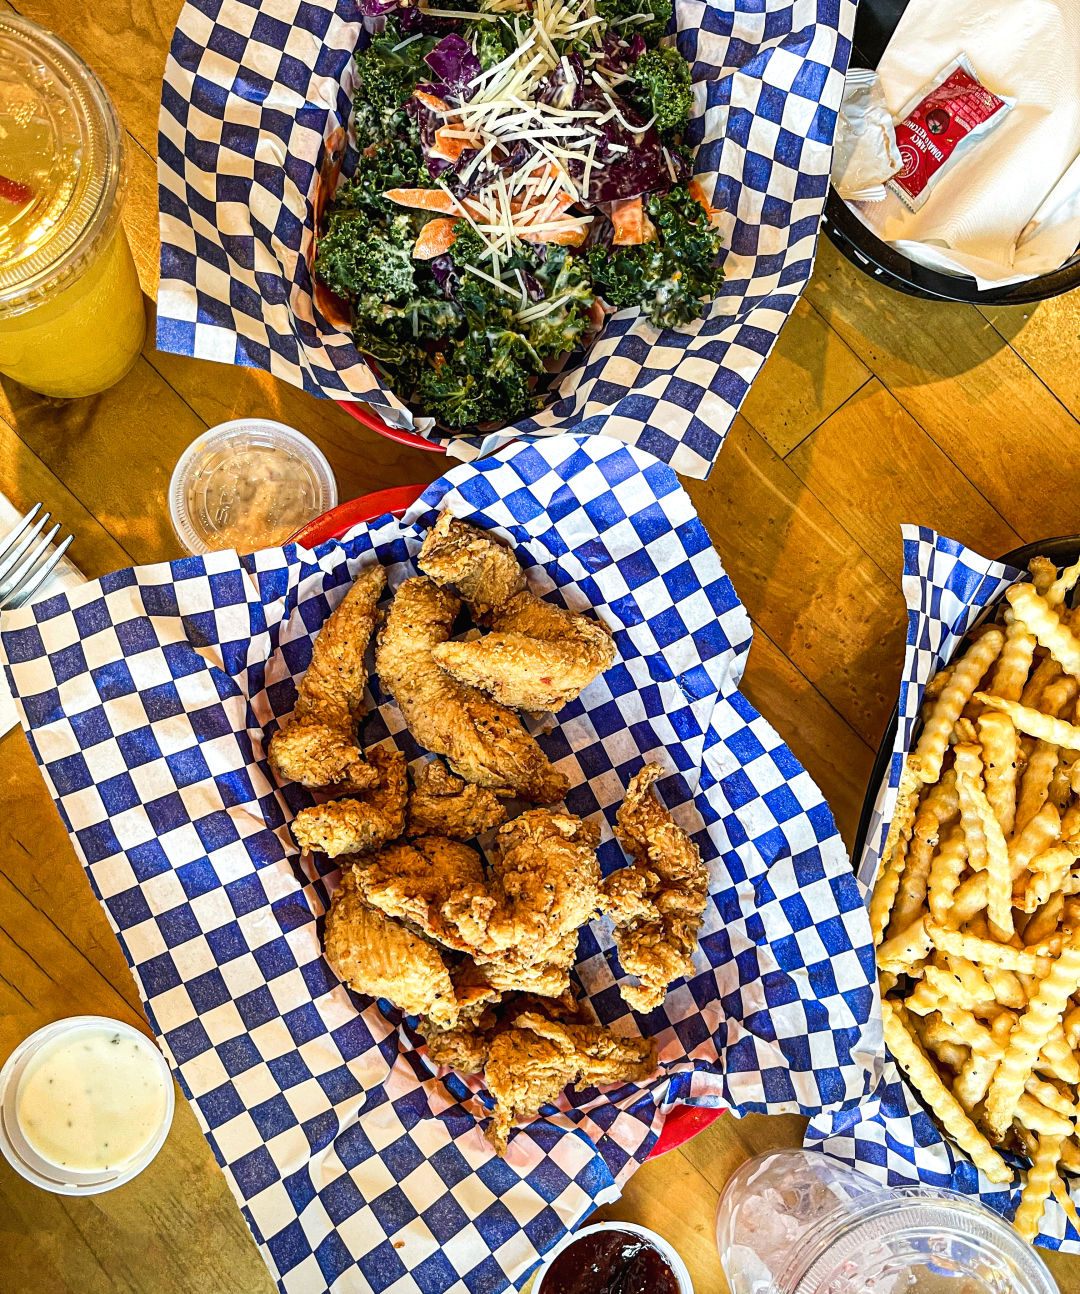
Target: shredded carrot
(436, 237)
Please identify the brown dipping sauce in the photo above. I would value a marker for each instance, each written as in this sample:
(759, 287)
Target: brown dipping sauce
(610, 1262)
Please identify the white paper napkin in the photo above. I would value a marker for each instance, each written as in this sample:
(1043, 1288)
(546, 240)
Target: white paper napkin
(1010, 208)
(65, 576)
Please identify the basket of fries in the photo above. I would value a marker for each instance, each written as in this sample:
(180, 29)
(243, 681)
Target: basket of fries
(972, 843)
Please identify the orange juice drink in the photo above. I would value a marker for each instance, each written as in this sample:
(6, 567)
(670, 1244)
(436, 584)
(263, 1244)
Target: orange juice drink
(71, 312)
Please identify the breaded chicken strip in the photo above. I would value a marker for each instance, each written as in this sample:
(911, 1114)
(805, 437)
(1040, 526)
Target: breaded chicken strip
(530, 1064)
(413, 879)
(538, 656)
(317, 747)
(483, 741)
(358, 826)
(520, 925)
(657, 905)
(530, 673)
(381, 958)
(483, 572)
(441, 804)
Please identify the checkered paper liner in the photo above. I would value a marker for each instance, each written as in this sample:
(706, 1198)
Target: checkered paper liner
(252, 91)
(892, 1136)
(148, 697)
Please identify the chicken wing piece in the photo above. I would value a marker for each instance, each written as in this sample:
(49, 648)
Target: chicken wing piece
(530, 1064)
(483, 741)
(358, 826)
(413, 879)
(317, 747)
(441, 804)
(550, 978)
(483, 572)
(381, 958)
(658, 904)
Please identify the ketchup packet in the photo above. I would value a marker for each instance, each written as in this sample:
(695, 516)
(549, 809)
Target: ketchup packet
(939, 125)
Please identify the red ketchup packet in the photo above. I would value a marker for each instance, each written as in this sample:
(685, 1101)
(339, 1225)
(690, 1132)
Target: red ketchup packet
(939, 125)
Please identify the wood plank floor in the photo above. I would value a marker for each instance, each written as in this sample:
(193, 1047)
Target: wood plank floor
(874, 409)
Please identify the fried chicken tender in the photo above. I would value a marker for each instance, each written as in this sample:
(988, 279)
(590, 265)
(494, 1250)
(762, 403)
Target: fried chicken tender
(317, 747)
(538, 656)
(359, 826)
(483, 741)
(528, 673)
(483, 572)
(441, 804)
(657, 905)
(381, 958)
(530, 1064)
(414, 879)
(520, 925)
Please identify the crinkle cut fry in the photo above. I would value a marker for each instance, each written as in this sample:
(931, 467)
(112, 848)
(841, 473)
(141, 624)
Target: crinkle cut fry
(1040, 1182)
(1045, 1010)
(1014, 664)
(1044, 622)
(1034, 722)
(912, 1060)
(963, 680)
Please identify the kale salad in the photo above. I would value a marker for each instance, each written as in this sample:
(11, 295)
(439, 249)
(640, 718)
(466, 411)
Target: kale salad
(521, 174)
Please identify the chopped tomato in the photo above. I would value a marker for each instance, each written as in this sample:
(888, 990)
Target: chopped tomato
(436, 237)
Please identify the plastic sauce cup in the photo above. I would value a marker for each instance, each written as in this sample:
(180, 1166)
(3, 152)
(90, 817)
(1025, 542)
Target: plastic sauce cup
(247, 485)
(71, 311)
(18, 1150)
(667, 1252)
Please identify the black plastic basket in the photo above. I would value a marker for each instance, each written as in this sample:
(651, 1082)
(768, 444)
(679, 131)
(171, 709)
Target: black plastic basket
(1063, 551)
(875, 23)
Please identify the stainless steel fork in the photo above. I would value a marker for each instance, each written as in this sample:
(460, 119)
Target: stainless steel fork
(24, 566)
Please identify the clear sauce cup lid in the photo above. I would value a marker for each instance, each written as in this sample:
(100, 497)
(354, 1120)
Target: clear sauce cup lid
(61, 164)
(246, 485)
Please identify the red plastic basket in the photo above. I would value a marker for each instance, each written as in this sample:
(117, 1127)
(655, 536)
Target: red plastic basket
(684, 1121)
(365, 414)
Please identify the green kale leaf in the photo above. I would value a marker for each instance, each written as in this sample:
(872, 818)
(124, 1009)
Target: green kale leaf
(670, 278)
(657, 11)
(661, 87)
(388, 70)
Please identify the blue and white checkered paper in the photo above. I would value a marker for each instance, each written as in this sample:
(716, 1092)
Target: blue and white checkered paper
(148, 698)
(253, 90)
(892, 1136)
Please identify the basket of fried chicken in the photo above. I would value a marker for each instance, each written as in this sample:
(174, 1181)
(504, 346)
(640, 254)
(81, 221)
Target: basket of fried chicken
(482, 955)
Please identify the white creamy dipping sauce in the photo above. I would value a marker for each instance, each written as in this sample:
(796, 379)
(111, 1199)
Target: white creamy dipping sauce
(91, 1100)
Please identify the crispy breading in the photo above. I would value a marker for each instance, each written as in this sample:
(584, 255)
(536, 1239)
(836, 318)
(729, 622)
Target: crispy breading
(358, 826)
(657, 919)
(482, 571)
(538, 656)
(529, 1064)
(483, 741)
(317, 746)
(528, 673)
(413, 879)
(381, 958)
(520, 924)
(442, 804)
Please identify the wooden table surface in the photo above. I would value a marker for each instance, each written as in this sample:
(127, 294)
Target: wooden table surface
(875, 409)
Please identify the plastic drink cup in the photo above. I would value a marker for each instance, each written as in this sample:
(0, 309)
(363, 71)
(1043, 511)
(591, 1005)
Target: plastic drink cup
(798, 1222)
(71, 311)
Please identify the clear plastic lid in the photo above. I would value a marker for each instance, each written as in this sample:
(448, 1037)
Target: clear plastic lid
(61, 156)
(247, 485)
